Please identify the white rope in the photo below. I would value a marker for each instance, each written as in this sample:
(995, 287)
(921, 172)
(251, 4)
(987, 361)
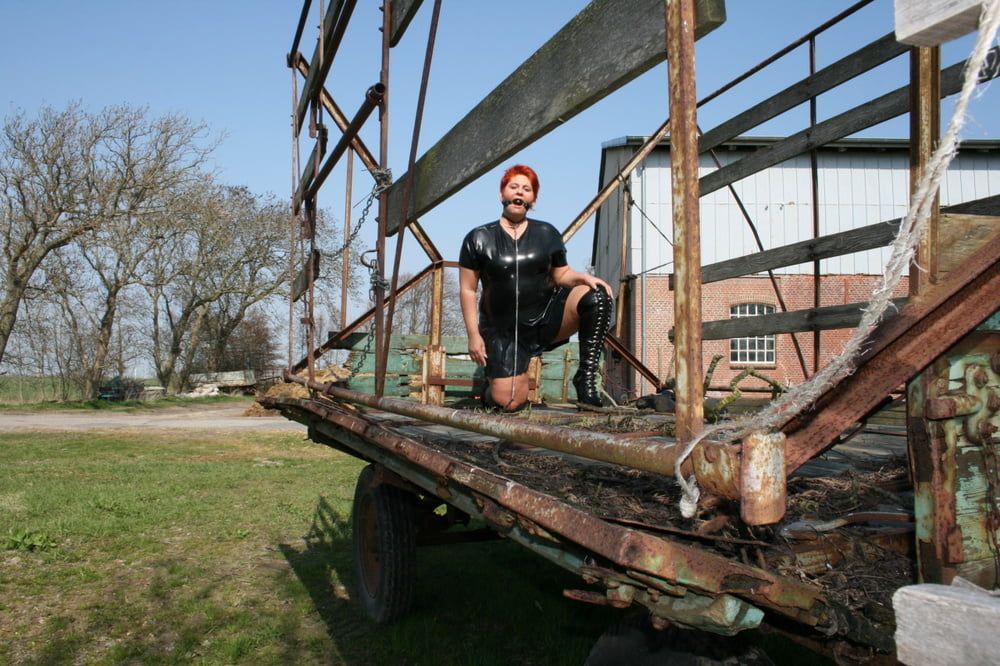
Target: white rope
(903, 249)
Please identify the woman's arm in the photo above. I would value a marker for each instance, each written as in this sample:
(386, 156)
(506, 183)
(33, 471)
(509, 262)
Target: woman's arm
(564, 276)
(468, 283)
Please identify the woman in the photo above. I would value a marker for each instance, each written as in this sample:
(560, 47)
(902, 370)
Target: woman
(532, 300)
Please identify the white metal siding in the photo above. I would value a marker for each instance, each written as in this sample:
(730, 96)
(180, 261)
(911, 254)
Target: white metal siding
(856, 188)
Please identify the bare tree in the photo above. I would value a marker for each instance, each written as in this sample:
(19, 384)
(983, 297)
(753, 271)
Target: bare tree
(68, 173)
(230, 255)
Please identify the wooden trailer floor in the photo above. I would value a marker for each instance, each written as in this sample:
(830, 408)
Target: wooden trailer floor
(859, 565)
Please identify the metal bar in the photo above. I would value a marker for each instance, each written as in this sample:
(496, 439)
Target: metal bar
(786, 50)
(341, 335)
(925, 129)
(309, 188)
(922, 330)
(425, 241)
(371, 164)
(383, 202)
(814, 184)
(332, 30)
(642, 153)
(408, 182)
(760, 246)
(634, 551)
(298, 36)
(687, 235)
(345, 270)
(651, 455)
(619, 347)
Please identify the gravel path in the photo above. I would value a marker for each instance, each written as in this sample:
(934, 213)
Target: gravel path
(214, 417)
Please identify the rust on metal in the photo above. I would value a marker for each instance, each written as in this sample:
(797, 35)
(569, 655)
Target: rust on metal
(676, 563)
(687, 235)
(922, 330)
(762, 475)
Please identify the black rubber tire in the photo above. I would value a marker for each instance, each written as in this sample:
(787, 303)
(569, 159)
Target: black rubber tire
(385, 550)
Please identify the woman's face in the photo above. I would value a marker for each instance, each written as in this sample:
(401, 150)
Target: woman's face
(518, 187)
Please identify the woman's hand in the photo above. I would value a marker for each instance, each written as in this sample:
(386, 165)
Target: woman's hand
(477, 349)
(594, 282)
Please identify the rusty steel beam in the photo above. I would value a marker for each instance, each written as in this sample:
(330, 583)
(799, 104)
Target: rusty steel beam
(642, 153)
(687, 233)
(332, 30)
(309, 186)
(425, 241)
(925, 131)
(353, 327)
(619, 347)
(326, 99)
(298, 33)
(635, 551)
(923, 329)
(646, 454)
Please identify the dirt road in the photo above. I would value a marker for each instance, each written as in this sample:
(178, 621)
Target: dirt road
(209, 417)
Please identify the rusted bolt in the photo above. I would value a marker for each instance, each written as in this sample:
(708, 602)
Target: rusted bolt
(711, 455)
(993, 400)
(654, 594)
(995, 362)
(948, 407)
(979, 377)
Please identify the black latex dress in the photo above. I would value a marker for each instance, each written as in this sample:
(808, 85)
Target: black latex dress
(518, 292)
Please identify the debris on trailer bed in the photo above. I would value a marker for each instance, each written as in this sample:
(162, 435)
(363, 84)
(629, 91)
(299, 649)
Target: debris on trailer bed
(858, 563)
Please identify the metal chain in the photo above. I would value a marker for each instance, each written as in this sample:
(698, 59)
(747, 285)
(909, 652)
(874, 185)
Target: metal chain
(383, 179)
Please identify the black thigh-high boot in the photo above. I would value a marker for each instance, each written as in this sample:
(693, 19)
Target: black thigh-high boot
(596, 310)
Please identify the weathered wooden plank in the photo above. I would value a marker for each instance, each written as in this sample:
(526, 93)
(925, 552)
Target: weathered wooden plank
(934, 22)
(301, 283)
(401, 13)
(814, 319)
(862, 60)
(940, 624)
(605, 46)
(878, 110)
(961, 235)
(834, 245)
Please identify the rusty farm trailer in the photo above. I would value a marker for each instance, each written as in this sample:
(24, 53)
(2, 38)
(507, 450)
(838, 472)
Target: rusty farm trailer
(793, 517)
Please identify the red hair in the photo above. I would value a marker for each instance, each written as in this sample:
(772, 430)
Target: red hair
(520, 170)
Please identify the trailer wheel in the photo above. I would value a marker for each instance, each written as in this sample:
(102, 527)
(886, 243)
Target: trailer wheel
(385, 552)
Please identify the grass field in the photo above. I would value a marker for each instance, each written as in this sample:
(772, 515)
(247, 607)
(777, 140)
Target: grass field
(161, 548)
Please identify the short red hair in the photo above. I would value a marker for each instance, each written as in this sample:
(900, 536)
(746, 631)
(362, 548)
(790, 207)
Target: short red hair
(520, 170)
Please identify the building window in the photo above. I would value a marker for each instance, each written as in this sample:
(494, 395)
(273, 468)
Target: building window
(758, 349)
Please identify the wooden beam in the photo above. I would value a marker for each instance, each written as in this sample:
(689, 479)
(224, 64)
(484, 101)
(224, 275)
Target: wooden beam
(856, 240)
(813, 319)
(883, 108)
(401, 13)
(941, 624)
(308, 273)
(845, 69)
(960, 235)
(604, 47)
(925, 131)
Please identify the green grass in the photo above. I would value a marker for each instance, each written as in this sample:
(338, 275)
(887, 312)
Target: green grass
(126, 405)
(166, 548)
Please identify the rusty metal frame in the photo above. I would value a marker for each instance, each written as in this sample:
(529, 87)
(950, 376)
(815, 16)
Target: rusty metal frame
(657, 561)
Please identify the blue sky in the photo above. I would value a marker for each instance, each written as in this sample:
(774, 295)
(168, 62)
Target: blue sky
(222, 62)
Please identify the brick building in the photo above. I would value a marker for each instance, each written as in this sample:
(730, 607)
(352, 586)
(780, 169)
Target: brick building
(860, 182)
